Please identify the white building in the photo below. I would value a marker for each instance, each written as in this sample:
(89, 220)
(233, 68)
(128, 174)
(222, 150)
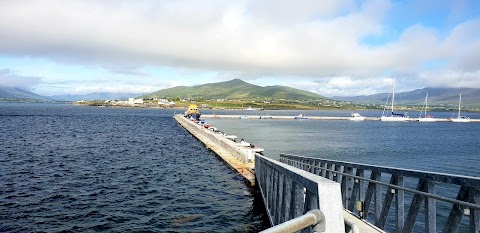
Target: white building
(133, 101)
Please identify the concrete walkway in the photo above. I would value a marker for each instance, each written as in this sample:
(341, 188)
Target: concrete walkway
(245, 169)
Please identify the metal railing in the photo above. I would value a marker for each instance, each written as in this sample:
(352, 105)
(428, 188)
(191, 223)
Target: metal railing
(370, 191)
(289, 193)
(313, 218)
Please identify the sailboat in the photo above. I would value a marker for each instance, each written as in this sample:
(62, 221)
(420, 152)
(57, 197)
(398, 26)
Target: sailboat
(426, 117)
(394, 116)
(460, 118)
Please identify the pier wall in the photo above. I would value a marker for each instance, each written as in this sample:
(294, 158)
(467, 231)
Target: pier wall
(236, 156)
(243, 154)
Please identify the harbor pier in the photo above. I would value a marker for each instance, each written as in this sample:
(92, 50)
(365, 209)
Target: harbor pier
(236, 156)
(338, 196)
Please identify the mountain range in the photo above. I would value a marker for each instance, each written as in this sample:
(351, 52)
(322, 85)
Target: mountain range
(436, 96)
(14, 93)
(235, 89)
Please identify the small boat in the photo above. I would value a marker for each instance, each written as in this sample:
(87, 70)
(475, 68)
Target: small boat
(356, 117)
(459, 117)
(251, 146)
(213, 129)
(394, 116)
(426, 117)
(300, 117)
(193, 112)
(231, 137)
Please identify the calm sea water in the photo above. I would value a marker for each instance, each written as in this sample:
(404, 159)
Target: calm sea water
(432, 146)
(84, 169)
(444, 147)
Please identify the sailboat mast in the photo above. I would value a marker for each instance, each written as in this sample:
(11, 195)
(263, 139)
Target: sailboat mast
(459, 103)
(393, 93)
(426, 104)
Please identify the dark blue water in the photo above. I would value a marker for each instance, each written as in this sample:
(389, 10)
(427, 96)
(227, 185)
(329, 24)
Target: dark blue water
(432, 146)
(444, 147)
(85, 169)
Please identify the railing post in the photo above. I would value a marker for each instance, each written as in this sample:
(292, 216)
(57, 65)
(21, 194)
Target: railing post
(275, 197)
(348, 183)
(312, 166)
(474, 213)
(297, 200)
(430, 210)
(316, 170)
(387, 202)
(288, 193)
(456, 213)
(377, 176)
(324, 171)
(400, 207)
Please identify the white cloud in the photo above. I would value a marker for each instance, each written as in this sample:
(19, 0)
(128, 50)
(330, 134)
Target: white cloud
(346, 86)
(313, 40)
(8, 78)
(451, 78)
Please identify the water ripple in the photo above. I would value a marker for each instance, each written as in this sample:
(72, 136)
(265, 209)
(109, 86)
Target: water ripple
(76, 169)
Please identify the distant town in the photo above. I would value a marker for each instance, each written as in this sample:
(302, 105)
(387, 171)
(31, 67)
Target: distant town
(241, 104)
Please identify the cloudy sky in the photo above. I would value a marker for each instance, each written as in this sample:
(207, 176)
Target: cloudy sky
(331, 47)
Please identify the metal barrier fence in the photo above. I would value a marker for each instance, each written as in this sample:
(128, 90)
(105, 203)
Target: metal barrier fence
(289, 193)
(367, 192)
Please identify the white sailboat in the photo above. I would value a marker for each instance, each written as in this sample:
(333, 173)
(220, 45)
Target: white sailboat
(459, 117)
(426, 117)
(394, 116)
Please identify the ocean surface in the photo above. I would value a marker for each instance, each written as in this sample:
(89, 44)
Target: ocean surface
(68, 168)
(445, 147)
(85, 169)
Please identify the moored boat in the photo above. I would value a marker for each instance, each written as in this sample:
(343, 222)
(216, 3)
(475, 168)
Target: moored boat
(356, 117)
(300, 117)
(426, 117)
(459, 117)
(393, 116)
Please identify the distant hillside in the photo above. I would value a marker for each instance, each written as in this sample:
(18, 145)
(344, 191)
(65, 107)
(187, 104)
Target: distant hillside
(13, 93)
(95, 96)
(436, 96)
(234, 89)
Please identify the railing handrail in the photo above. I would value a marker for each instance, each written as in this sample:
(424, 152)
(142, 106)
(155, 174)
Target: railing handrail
(313, 218)
(433, 176)
(290, 192)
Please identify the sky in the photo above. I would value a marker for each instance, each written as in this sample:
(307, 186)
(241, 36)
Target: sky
(329, 47)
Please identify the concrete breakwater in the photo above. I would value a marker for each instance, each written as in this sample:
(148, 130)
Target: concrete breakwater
(238, 157)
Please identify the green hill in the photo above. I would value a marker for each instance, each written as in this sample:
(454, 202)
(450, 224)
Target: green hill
(234, 89)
